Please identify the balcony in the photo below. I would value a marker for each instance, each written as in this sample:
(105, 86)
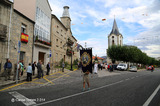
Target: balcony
(3, 31)
(42, 41)
(69, 42)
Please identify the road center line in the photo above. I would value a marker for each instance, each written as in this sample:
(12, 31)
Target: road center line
(21, 98)
(152, 96)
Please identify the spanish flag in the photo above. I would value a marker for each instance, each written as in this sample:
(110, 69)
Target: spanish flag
(24, 37)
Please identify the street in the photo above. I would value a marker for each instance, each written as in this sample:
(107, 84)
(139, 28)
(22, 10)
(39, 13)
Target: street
(118, 88)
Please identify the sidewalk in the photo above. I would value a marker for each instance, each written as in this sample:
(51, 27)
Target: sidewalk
(4, 83)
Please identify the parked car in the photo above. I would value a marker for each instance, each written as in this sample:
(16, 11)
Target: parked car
(149, 68)
(133, 68)
(122, 66)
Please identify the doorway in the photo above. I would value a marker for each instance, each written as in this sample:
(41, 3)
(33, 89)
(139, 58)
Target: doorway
(41, 56)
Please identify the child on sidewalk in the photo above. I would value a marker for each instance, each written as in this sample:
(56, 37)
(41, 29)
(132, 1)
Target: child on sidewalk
(29, 72)
(86, 80)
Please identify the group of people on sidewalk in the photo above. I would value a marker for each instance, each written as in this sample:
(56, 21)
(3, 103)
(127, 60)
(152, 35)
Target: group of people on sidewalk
(30, 69)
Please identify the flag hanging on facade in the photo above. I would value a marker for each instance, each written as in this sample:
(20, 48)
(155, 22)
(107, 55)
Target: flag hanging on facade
(86, 59)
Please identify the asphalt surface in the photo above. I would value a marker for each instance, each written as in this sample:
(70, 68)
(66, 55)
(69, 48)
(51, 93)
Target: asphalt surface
(118, 88)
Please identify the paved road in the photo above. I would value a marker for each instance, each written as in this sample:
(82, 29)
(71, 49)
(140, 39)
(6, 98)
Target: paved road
(119, 88)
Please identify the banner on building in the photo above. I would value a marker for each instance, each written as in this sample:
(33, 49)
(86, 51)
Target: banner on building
(86, 59)
(24, 38)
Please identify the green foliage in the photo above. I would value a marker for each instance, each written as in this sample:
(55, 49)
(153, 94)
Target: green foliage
(75, 62)
(130, 54)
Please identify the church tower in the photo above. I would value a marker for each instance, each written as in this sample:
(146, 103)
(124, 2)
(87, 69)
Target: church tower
(65, 19)
(115, 37)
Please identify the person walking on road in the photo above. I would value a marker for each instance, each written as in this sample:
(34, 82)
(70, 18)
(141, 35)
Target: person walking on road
(86, 80)
(152, 69)
(48, 68)
(7, 69)
(29, 72)
(63, 65)
(108, 67)
(33, 67)
(95, 68)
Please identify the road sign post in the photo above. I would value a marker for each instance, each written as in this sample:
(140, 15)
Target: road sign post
(18, 51)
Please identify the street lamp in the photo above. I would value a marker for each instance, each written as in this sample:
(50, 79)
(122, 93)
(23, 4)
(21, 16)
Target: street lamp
(71, 58)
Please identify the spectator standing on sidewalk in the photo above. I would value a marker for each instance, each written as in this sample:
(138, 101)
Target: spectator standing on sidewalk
(43, 69)
(7, 69)
(22, 67)
(48, 68)
(15, 71)
(39, 69)
(29, 72)
(63, 65)
(33, 67)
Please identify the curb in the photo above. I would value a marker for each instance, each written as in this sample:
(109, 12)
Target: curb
(13, 82)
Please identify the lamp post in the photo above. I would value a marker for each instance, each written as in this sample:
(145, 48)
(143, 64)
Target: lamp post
(71, 58)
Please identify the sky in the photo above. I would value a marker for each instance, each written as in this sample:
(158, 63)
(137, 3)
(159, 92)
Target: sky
(137, 20)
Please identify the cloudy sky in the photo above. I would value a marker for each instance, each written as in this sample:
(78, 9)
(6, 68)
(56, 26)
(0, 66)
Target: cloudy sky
(138, 21)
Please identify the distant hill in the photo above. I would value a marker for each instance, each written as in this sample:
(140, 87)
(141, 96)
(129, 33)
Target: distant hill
(105, 57)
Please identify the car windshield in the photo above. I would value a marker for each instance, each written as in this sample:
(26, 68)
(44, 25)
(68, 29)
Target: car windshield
(133, 66)
(121, 64)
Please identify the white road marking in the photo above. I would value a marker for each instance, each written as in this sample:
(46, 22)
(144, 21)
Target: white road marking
(54, 100)
(20, 98)
(151, 97)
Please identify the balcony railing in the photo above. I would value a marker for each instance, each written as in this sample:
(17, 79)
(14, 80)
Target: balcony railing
(43, 40)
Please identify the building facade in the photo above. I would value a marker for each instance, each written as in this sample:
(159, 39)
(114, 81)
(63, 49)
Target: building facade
(22, 31)
(114, 38)
(63, 42)
(5, 16)
(40, 12)
(14, 28)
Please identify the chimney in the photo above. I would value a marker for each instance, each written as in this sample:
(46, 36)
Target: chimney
(66, 12)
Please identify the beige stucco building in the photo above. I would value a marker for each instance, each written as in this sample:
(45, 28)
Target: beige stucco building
(38, 11)
(62, 38)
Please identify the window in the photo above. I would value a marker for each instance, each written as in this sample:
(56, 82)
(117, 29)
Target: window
(56, 57)
(23, 28)
(112, 42)
(22, 54)
(112, 36)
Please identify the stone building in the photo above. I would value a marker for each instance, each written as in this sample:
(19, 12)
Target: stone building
(38, 11)
(62, 38)
(5, 16)
(114, 38)
(22, 31)
(14, 28)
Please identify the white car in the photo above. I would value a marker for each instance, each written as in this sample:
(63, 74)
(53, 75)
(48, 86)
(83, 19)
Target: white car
(122, 66)
(133, 68)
